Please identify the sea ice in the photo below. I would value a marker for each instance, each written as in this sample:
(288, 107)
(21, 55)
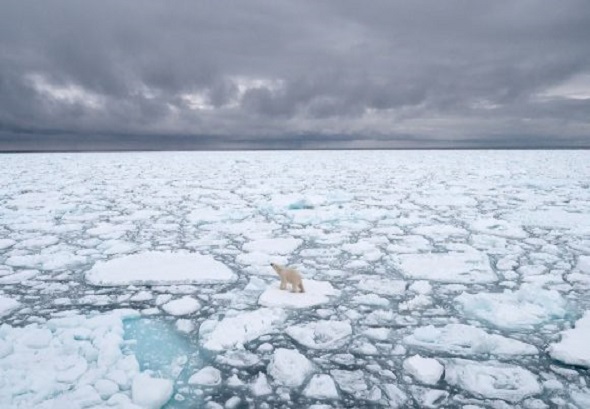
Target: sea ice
(520, 309)
(260, 386)
(182, 306)
(424, 370)
(321, 334)
(235, 331)
(208, 376)
(273, 246)
(454, 267)
(289, 367)
(159, 268)
(316, 293)
(151, 393)
(70, 360)
(466, 340)
(321, 386)
(7, 305)
(381, 286)
(574, 347)
(499, 227)
(492, 380)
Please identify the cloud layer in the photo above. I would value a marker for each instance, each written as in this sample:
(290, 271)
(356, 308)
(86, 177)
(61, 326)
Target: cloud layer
(275, 74)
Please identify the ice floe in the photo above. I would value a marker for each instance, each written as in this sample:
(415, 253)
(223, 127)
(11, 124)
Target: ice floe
(182, 306)
(234, 331)
(529, 305)
(160, 268)
(492, 380)
(424, 370)
(321, 386)
(321, 334)
(7, 305)
(316, 293)
(453, 267)
(288, 367)
(574, 347)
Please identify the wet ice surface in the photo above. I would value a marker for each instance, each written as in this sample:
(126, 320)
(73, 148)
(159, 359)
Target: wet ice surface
(434, 279)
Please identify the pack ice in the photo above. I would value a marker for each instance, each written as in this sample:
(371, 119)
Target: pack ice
(435, 279)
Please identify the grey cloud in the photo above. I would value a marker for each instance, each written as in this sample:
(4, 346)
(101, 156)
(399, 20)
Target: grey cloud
(294, 74)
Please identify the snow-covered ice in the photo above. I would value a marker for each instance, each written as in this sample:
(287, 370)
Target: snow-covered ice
(321, 386)
(316, 293)
(289, 367)
(321, 334)
(514, 309)
(454, 267)
(492, 380)
(424, 370)
(466, 340)
(142, 279)
(574, 346)
(236, 330)
(159, 268)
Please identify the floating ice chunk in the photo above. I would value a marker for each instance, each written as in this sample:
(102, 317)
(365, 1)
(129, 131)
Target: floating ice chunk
(6, 243)
(424, 370)
(236, 330)
(321, 386)
(352, 382)
(208, 376)
(273, 246)
(465, 340)
(289, 367)
(454, 267)
(38, 242)
(421, 287)
(430, 398)
(381, 286)
(111, 247)
(397, 398)
(440, 231)
(239, 359)
(370, 299)
(419, 301)
(321, 334)
(7, 305)
(151, 393)
(573, 348)
(379, 334)
(499, 227)
(159, 268)
(141, 296)
(260, 386)
(492, 380)
(19, 277)
(316, 293)
(577, 223)
(530, 305)
(259, 259)
(445, 199)
(182, 306)
(583, 264)
(364, 248)
(106, 388)
(184, 325)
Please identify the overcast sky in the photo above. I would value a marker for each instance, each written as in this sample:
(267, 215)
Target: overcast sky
(302, 74)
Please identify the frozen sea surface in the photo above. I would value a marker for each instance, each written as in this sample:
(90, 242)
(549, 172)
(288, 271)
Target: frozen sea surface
(455, 279)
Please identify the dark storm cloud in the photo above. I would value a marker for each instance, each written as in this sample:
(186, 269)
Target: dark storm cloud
(295, 74)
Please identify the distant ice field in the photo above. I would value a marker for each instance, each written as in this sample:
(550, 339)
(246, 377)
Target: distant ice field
(451, 279)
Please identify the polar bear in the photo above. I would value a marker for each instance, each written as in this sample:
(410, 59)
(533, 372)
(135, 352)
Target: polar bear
(289, 275)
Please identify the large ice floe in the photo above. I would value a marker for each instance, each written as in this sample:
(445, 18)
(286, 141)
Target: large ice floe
(432, 280)
(160, 268)
(520, 309)
(492, 380)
